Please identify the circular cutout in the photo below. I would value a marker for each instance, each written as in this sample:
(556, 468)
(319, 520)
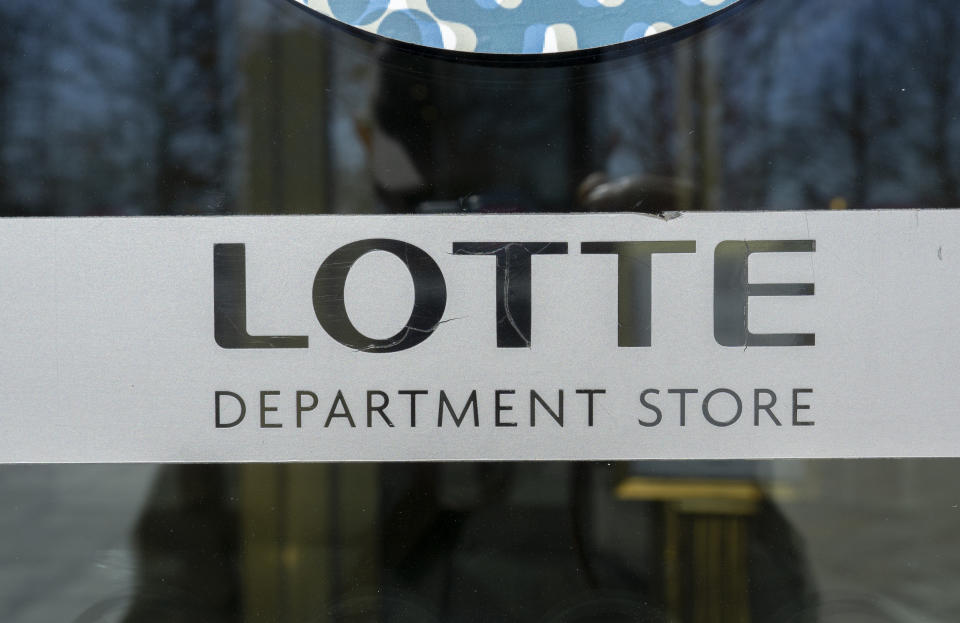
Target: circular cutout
(516, 26)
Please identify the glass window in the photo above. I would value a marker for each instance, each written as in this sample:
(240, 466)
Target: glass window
(209, 107)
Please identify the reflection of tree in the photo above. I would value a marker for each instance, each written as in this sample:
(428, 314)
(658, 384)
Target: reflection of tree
(888, 96)
(23, 93)
(753, 53)
(873, 121)
(845, 104)
(118, 107)
(815, 100)
(935, 31)
(9, 50)
(179, 87)
(702, 107)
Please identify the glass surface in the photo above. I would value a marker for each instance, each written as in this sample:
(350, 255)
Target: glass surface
(173, 107)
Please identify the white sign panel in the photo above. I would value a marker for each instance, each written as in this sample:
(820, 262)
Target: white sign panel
(322, 338)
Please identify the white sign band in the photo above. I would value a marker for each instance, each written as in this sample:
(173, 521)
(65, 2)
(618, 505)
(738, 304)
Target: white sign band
(508, 337)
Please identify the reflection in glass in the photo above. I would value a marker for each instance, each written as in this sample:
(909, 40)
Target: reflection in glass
(207, 107)
(211, 107)
(866, 540)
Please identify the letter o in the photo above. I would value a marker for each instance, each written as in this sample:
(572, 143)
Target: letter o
(706, 406)
(429, 295)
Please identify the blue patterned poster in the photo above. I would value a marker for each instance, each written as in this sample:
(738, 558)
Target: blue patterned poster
(516, 26)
